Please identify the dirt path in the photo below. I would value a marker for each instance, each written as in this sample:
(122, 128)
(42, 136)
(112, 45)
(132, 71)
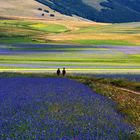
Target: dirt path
(130, 91)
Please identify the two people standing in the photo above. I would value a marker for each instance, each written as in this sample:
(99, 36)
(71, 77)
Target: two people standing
(59, 72)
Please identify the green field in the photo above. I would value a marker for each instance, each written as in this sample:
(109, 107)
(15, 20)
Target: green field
(34, 31)
(87, 59)
(16, 31)
(95, 48)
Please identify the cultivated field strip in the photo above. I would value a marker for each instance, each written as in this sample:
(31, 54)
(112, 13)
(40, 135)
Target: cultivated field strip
(76, 58)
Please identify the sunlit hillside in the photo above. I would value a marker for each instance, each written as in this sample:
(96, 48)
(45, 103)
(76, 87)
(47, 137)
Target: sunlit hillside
(28, 9)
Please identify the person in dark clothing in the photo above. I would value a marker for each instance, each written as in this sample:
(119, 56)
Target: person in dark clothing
(58, 72)
(63, 72)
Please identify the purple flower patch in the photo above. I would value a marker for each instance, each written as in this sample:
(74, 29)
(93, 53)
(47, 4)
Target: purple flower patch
(57, 108)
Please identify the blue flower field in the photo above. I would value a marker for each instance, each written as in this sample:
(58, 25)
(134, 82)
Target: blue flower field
(57, 109)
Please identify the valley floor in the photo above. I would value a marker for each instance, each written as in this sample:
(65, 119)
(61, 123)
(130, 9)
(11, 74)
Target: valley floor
(25, 45)
(39, 46)
(76, 58)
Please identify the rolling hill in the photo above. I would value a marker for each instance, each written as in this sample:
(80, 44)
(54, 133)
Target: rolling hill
(27, 9)
(113, 11)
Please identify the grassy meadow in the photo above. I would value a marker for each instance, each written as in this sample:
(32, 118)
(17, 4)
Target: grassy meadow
(77, 32)
(16, 31)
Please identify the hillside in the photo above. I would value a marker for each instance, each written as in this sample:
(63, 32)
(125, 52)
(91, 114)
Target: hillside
(111, 11)
(27, 9)
(114, 11)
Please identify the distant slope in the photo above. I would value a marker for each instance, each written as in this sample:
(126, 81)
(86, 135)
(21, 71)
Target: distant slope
(98, 10)
(19, 8)
(26, 8)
